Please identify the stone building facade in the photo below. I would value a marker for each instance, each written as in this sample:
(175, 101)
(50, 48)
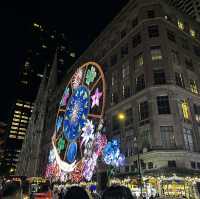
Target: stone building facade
(150, 54)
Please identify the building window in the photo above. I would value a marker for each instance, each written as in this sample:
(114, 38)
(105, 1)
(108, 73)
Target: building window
(126, 168)
(197, 112)
(193, 86)
(163, 105)
(179, 80)
(114, 79)
(138, 60)
(189, 64)
(175, 57)
(143, 110)
(115, 123)
(159, 76)
(198, 165)
(172, 164)
(180, 25)
(136, 40)
(134, 22)
(123, 33)
(167, 136)
(124, 50)
(140, 83)
(171, 36)
(196, 50)
(184, 43)
(125, 71)
(150, 13)
(156, 53)
(145, 138)
(126, 91)
(192, 32)
(153, 31)
(185, 110)
(193, 165)
(113, 60)
(114, 97)
(129, 117)
(187, 134)
(150, 165)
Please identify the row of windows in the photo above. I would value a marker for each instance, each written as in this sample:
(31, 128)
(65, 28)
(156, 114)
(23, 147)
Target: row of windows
(153, 31)
(163, 107)
(16, 137)
(159, 79)
(134, 167)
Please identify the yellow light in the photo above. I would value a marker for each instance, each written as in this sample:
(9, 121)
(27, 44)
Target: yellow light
(36, 25)
(121, 116)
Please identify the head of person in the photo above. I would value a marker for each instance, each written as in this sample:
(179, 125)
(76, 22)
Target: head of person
(11, 191)
(76, 192)
(117, 192)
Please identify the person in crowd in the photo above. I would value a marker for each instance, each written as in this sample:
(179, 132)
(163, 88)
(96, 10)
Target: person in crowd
(76, 192)
(11, 191)
(117, 192)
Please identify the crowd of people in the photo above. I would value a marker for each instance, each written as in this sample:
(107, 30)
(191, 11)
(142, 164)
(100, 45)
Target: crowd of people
(113, 192)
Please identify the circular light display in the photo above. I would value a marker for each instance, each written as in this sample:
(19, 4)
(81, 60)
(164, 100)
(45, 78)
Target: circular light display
(77, 141)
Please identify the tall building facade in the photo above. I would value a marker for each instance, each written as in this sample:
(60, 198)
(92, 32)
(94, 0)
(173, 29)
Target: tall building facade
(189, 7)
(40, 56)
(3, 127)
(150, 54)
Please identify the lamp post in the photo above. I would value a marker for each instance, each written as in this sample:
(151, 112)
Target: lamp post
(121, 116)
(138, 163)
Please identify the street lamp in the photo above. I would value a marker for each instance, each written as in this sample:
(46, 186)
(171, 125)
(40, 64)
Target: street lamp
(138, 162)
(121, 116)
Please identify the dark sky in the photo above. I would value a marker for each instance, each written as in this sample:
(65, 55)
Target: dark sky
(80, 20)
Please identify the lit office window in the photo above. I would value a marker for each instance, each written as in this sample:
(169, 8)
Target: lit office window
(13, 132)
(19, 104)
(27, 106)
(16, 120)
(20, 137)
(21, 133)
(192, 32)
(187, 134)
(24, 121)
(180, 25)
(185, 109)
(22, 129)
(12, 136)
(17, 116)
(14, 127)
(15, 123)
(156, 53)
(24, 117)
(193, 87)
(18, 112)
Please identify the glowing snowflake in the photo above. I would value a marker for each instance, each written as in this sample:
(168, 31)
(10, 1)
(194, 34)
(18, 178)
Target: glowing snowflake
(61, 144)
(90, 76)
(88, 131)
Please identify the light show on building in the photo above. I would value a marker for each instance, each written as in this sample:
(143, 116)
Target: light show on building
(78, 140)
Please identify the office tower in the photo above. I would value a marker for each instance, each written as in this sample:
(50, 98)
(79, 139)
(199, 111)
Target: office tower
(44, 43)
(3, 127)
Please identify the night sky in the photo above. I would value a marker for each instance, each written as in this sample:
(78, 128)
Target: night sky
(81, 21)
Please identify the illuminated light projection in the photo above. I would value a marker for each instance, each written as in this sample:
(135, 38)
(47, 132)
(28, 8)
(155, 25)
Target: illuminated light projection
(78, 140)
